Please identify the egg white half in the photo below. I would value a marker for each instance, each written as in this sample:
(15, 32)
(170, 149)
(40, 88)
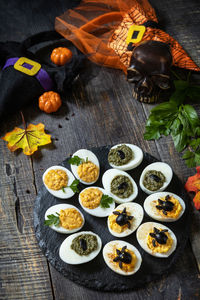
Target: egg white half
(59, 193)
(85, 154)
(151, 210)
(56, 209)
(142, 235)
(136, 211)
(69, 256)
(134, 162)
(157, 166)
(98, 211)
(107, 178)
(110, 247)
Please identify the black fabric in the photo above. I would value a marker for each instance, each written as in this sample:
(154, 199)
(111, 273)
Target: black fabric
(95, 274)
(19, 89)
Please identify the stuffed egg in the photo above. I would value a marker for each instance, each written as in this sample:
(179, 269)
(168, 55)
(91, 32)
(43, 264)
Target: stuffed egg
(156, 177)
(122, 257)
(120, 185)
(125, 156)
(156, 239)
(125, 219)
(64, 218)
(80, 247)
(96, 201)
(58, 180)
(164, 206)
(85, 166)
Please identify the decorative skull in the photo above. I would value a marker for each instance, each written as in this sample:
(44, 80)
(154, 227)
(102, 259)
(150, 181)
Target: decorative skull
(149, 70)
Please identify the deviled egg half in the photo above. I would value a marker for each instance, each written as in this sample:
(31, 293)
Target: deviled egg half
(156, 239)
(85, 166)
(125, 157)
(156, 177)
(80, 247)
(96, 201)
(120, 185)
(122, 257)
(164, 206)
(58, 181)
(125, 219)
(64, 218)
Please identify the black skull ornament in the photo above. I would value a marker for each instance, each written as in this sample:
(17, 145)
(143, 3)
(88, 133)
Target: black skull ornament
(149, 70)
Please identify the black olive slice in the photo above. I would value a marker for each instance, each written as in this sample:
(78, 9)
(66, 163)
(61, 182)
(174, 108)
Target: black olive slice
(121, 154)
(83, 244)
(155, 177)
(122, 186)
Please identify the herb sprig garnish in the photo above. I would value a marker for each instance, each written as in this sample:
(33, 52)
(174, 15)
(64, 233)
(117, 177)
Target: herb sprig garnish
(105, 201)
(52, 220)
(178, 120)
(76, 160)
(73, 186)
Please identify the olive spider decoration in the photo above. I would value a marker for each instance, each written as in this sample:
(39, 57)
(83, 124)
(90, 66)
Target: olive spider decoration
(123, 257)
(165, 205)
(158, 236)
(123, 218)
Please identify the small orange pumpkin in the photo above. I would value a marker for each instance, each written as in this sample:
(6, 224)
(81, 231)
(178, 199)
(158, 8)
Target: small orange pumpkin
(50, 102)
(61, 56)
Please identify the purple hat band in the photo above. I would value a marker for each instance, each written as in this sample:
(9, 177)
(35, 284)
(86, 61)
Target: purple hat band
(42, 76)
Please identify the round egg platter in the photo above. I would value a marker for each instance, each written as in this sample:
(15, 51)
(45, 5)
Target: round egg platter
(95, 274)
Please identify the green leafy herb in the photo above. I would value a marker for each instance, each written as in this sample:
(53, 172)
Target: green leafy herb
(178, 120)
(76, 160)
(52, 220)
(105, 201)
(74, 186)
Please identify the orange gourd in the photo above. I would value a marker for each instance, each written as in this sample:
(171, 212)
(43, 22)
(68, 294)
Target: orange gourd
(50, 102)
(61, 56)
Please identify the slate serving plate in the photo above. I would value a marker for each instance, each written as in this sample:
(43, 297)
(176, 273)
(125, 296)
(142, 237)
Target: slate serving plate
(95, 274)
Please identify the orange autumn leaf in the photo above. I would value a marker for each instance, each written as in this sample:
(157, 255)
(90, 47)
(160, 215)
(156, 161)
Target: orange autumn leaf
(28, 139)
(193, 185)
(196, 200)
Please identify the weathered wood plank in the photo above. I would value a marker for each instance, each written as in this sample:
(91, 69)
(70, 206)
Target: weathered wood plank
(23, 269)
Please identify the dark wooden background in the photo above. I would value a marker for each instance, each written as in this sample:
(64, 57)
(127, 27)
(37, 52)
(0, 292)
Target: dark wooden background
(97, 112)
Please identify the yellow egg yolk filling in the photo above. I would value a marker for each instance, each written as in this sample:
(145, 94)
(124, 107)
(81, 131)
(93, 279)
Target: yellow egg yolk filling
(70, 218)
(125, 267)
(175, 212)
(88, 171)
(160, 248)
(56, 179)
(91, 198)
(116, 227)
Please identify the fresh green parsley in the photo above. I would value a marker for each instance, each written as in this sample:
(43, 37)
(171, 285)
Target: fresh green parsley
(52, 220)
(178, 120)
(73, 186)
(105, 201)
(76, 160)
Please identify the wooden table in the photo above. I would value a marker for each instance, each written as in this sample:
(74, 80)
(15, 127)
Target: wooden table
(96, 113)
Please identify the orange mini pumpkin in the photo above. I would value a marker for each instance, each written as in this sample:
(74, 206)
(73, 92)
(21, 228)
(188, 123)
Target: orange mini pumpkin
(61, 56)
(50, 102)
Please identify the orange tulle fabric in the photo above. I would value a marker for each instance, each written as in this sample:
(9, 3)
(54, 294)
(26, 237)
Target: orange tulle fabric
(99, 29)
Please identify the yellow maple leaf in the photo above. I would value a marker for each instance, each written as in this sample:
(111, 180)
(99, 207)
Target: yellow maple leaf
(28, 139)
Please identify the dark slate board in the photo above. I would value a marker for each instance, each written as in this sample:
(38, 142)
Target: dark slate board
(95, 274)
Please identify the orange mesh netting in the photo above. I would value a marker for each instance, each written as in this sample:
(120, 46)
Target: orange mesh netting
(99, 29)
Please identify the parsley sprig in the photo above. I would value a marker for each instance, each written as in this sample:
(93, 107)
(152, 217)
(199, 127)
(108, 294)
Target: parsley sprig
(178, 120)
(76, 160)
(105, 201)
(52, 220)
(73, 186)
